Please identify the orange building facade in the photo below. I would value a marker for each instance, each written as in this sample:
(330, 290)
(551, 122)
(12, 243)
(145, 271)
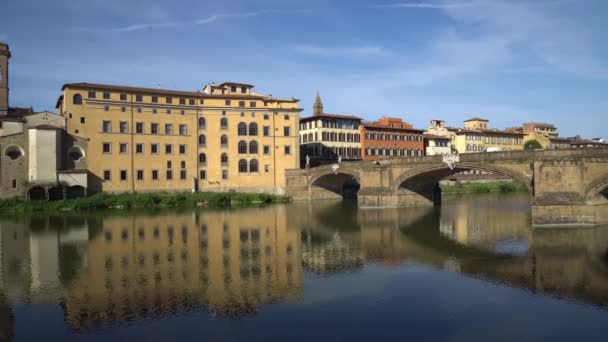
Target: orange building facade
(390, 138)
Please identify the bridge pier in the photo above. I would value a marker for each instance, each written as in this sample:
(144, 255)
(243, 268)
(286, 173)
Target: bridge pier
(569, 215)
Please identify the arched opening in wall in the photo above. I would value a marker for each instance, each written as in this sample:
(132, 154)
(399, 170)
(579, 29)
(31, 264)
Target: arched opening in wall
(55, 194)
(14, 152)
(426, 187)
(75, 191)
(337, 185)
(37, 193)
(76, 153)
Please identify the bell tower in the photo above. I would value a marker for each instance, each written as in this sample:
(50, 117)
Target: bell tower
(5, 55)
(317, 108)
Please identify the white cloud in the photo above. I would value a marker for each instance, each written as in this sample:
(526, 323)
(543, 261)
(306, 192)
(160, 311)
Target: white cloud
(423, 5)
(333, 51)
(202, 21)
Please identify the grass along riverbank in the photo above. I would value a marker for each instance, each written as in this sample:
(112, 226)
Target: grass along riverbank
(141, 201)
(477, 188)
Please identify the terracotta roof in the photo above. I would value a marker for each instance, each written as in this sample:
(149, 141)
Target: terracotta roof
(12, 119)
(198, 94)
(540, 124)
(476, 119)
(559, 139)
(73, 171)
(586, 142)
(433, 136)
(19, 111)
(236, 84)
(501, 132)
(334, 116)
(373, 125)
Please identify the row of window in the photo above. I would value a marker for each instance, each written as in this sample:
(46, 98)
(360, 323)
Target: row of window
(123, 148)
(393, 137)
(331, 152)
(244, 167)
(503, 140)
(393, 152)
(77, 100)
(243, 147)
(330, 136)
(140, 175)
(331, 123)
(123, 127)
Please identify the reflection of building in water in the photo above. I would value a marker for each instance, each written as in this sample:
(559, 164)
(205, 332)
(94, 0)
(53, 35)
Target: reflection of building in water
(468, 222)
(140, 266)
(334, 256)
(30, 253)
(6, 319)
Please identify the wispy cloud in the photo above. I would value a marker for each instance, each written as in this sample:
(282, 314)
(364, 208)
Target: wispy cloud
(506, 30)
(423, 5)
(334, 51)
(202, 21)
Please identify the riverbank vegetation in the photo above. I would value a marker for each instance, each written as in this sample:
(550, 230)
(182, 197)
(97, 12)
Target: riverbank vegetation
(141, 201)
(477, 188)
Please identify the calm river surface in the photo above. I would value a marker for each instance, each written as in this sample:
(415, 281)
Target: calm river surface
(473, 269)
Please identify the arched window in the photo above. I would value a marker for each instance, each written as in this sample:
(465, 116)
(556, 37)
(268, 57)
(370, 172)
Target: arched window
(14, 152)
(223, 123)
(224, 159)
(242, 147)
(253, 147)
(202, 140)
(202, 158)
(242, 165)
(310, 137)
(253, 165)
(242, 129)
(253, 129)
(77, 99)
(202, 123)
(224, 140)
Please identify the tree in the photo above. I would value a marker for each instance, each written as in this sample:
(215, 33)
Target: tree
(532, 145)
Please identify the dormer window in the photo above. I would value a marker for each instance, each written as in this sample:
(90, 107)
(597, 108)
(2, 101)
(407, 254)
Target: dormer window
(233, 89)
(244, 90)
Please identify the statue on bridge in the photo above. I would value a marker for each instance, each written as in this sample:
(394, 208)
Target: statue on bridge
(307, 161)
(339, 159)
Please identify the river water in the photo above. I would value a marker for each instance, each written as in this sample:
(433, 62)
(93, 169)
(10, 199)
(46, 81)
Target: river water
(473, 269)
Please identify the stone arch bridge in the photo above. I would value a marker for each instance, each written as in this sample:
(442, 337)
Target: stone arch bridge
(569, 187)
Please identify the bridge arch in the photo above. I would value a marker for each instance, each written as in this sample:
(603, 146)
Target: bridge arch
(334, 184)
(425, 181)
(597, 191)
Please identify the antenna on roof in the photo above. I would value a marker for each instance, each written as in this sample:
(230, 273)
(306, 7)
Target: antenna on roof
(157, 85)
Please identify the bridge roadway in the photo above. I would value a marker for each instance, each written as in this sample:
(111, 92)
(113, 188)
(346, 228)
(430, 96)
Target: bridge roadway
(569, 187)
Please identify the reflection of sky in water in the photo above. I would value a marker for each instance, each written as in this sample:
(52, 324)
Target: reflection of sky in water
(516, 247)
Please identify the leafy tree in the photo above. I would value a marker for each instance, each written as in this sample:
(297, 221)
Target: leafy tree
(532, 145)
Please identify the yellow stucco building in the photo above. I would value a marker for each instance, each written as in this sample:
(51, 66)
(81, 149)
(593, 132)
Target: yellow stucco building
(225, 136)
(476, 136)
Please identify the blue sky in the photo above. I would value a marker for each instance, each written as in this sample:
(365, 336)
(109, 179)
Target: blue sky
(510, 61)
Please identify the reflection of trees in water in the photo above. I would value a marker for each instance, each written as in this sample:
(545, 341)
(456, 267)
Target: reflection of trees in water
(7, 320)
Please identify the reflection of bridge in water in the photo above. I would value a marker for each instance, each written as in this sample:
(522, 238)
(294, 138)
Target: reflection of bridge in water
(570, 263)
(567, 186)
